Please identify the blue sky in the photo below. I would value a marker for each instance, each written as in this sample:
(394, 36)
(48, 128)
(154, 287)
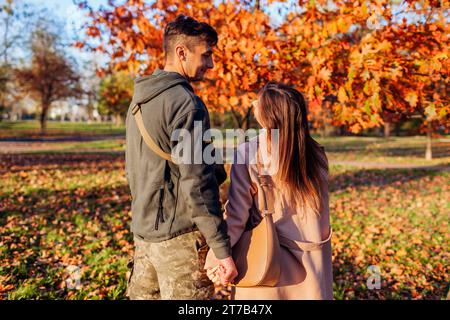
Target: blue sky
(67, 11)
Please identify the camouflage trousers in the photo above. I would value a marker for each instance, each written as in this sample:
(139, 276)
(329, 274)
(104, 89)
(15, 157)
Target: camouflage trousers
(170, 270)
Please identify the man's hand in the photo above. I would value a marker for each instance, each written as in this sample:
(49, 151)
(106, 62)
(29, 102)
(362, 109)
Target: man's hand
(227, 270)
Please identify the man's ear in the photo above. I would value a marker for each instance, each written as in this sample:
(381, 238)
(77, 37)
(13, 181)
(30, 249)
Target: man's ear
(181, 52)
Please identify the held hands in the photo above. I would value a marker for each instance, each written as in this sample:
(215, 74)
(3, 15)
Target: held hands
(224, 273)
(213, 275)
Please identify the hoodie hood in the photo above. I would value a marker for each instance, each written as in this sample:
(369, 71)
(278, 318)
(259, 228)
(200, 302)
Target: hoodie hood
(148, 87)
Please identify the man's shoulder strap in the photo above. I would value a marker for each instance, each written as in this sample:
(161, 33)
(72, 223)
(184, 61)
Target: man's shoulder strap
(137, 113)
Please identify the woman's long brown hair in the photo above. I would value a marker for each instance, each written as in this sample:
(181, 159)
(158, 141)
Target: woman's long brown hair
(301, 160)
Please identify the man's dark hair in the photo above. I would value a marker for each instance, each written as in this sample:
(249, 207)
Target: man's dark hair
(188, 31)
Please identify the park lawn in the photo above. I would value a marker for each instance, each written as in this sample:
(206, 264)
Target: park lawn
(98, 145)
(392, 150)
(106, 145)
(61, 210)
(376, 150)
(31, 129)
(347, 150)
(396, 220)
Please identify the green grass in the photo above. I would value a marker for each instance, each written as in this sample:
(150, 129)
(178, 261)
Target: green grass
(56, 128)
(108, 145)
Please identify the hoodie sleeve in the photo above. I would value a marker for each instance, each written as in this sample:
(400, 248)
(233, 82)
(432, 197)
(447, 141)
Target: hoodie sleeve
(197, 179)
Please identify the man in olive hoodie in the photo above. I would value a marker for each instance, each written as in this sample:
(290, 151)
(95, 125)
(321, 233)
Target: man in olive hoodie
(176, 210)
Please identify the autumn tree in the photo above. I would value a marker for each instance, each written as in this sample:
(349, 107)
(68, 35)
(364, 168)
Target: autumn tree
(50, 76)
(244, 58)
(17, 21)
(5, 69)
(115, 94)
(364, 62)
(359, 63)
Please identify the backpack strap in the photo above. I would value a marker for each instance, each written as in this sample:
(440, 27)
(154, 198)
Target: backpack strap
(137, 113)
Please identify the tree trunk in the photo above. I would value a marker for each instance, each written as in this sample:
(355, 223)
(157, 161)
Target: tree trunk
(236, 119)
(327, 130)
(387, 129)
(397, 128)
(428, 152)
(118, 120)
(258, 5)
(247, 118)
(43, 119)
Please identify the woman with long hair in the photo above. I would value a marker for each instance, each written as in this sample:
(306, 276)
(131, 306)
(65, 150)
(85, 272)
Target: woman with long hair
(300, 191)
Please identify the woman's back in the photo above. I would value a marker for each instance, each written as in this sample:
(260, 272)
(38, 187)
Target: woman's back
(299, 170)
(304, 275)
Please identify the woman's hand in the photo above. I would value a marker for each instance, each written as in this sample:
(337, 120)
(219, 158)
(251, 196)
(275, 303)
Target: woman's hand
(213, 275)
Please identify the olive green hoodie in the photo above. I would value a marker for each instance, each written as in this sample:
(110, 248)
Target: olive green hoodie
(171, 199)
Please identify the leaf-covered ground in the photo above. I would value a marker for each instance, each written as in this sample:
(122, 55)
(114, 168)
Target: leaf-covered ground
(61, 210)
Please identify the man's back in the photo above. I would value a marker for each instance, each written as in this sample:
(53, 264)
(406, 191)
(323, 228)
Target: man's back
(169, 198)
(176, 210)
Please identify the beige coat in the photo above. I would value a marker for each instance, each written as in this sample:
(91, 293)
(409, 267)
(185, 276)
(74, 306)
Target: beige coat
(304, 274)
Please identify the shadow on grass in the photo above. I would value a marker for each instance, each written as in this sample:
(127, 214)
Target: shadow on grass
(379, 177)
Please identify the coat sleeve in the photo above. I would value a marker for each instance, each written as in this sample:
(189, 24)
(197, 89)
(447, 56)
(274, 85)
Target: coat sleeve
(198, 181)
(237, 208)
(240, 200)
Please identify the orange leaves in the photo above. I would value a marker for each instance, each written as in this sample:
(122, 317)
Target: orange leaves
(144, 25)
(79, 45)
(244, 51)
(139, 45)
(325, 74)
(121, 11)
(412, 98)
(93, 31)
(319, 51)
(234, 101)
(342, 95)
